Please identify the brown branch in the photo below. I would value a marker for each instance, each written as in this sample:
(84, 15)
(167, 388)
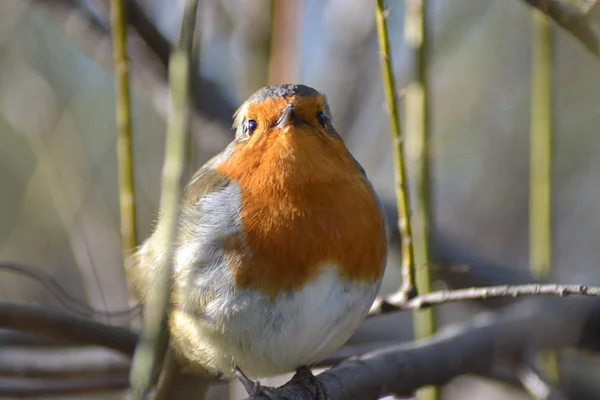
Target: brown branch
(10, 338)
(572, 19)
(473, 348)
(74, 362)
(46, 388)
(470, 348)
(59, 325)
(148, 31)
(207, 98)
(396, 301)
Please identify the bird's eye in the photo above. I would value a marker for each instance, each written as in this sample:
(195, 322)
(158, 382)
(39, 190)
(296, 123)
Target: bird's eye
(322, 118)
(251, 126)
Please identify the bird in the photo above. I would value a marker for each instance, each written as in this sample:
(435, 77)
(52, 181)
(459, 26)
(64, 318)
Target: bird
(281, 245)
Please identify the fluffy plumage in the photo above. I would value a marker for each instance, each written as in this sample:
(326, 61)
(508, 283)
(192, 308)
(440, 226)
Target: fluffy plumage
(282, 244)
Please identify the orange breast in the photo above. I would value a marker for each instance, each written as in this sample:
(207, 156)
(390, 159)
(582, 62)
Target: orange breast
(304, 206)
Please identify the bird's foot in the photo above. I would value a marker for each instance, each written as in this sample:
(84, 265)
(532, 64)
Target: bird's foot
(254, 388)
(305, 377)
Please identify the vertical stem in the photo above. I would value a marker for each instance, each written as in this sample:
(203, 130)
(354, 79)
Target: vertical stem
(408, 289)
(193, 153)
(416, 116)
(540, 213)
(283, 63)
(123, 116)
(154, 339)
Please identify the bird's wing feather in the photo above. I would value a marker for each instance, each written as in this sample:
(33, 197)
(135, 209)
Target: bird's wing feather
(142, 266)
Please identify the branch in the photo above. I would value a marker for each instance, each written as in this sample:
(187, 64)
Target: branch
(408, 289)
(154, 340)
(572, 19)
(208, 99)
(59, 325)
(127, 203)
(75, 362)
(469, 348)
(46, 388)
(147, 50)
(473, 348)
(396, 301)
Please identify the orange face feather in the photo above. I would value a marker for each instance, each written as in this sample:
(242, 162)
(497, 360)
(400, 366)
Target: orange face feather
(305, 204)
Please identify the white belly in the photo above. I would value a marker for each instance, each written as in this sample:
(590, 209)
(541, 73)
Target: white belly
(264, 337)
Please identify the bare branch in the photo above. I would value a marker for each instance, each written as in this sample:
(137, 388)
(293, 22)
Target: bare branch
(74, 362)
(46, 388)
(474, 347)
(572, 19)
(154, 340)
(409, 288)
(148, 51)
(59, 325)
(396, 301)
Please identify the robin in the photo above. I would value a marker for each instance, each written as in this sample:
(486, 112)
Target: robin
(281, 249)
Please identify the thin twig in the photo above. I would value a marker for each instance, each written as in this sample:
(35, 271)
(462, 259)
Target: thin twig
(66, 299)
(416, 117)
(408, 289)
(123, 117)
(154, 339)
(395, 301)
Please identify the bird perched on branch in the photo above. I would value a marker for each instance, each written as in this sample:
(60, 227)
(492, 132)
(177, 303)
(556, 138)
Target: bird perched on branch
(281, 247)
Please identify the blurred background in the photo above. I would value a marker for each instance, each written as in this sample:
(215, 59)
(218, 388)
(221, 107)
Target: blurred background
(58, 172)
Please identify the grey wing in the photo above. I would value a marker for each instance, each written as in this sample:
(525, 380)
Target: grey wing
(377, 199)
(142, 267)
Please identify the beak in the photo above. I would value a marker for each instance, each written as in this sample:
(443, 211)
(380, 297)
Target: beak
(288, 117)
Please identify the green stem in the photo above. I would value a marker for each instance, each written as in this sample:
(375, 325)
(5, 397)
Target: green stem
(541, 148)
(408, 288)
(416, 114)
(540, 212)
(123, 117)
(154, 339)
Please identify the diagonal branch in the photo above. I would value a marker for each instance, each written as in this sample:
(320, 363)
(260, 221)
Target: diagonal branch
(149, 52)
(572, 19)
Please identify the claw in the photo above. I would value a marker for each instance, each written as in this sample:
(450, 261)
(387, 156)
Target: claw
(254, 388)
(305, 377)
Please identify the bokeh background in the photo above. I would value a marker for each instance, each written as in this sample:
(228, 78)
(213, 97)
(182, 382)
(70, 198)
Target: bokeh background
(58, 171)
